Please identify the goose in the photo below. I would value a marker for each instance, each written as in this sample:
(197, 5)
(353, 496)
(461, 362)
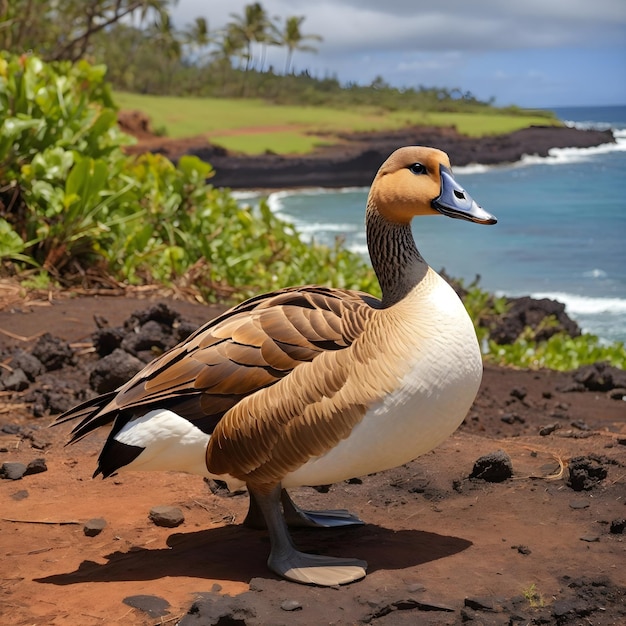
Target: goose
(312, 385)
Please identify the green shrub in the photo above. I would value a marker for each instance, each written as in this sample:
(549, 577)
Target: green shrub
(560, 352)
(73, 202)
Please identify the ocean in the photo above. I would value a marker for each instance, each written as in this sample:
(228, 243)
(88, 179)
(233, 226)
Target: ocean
(561, 229)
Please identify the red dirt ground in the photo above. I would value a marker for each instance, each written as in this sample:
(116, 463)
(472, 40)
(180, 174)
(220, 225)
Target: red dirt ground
(442, 548)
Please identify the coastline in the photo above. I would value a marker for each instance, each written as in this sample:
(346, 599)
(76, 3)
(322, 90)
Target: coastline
(351, 163)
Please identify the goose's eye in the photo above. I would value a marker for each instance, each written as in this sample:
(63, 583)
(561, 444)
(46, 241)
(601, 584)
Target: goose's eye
(417, 168)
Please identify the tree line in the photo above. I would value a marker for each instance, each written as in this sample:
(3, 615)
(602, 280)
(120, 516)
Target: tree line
(145, 52)
(126, 33)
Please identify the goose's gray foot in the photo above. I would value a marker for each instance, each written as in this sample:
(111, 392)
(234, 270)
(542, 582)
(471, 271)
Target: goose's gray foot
(286, 561)
(301, 518)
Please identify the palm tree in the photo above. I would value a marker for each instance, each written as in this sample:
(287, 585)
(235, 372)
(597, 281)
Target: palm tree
(292, 39)
(251, 27)
(229, 46)
(196, 36)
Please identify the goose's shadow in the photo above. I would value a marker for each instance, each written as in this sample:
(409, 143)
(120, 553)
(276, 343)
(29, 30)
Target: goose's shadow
(239, 554)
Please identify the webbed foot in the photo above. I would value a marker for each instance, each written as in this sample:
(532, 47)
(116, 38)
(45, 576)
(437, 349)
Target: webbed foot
(301, 518)
(314, 569)
(332, 518)
(288, 562)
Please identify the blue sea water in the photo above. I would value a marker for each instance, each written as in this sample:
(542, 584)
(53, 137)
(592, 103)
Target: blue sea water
(561, 231)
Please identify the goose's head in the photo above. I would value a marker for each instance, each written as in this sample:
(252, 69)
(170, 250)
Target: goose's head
(418, 181)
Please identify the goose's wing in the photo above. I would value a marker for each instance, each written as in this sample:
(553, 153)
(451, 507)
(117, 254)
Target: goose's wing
(250, 347)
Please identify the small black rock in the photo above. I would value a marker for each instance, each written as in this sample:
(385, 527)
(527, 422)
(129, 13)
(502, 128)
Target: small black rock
(114, 370)
(152, 605)
(585, 473)
(53, 352)
(494, 467)
(15, 380)
(29, 364)
(167, 516)
(518, 392)
(36, 466)
(94, 526)
(12, 470)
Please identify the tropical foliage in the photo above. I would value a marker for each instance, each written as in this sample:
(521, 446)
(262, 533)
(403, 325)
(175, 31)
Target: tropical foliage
(73, 205)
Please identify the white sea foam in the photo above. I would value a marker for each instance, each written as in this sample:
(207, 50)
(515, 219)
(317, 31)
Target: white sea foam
(561, 156)
(275, 200)
(359, 248)
(246, 195)
(472, 168)
(316, 227)
(585, 305)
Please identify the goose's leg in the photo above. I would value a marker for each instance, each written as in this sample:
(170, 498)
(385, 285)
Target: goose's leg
(301, 518)
(286, 561)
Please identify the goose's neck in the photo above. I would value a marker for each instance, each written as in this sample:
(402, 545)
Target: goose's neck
(395, 258)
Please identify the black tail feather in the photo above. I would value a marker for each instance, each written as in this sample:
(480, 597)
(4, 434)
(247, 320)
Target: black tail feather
(89, 412)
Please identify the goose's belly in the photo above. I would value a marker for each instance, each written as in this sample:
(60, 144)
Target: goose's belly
(431, 401)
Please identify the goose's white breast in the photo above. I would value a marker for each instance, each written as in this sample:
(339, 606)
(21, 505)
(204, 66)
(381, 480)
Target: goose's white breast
(431, 400)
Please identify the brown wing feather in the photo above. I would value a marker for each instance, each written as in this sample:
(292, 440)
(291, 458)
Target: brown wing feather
(248, 348)
(267, 435)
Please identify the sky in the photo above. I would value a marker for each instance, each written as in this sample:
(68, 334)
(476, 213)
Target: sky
(531, 53)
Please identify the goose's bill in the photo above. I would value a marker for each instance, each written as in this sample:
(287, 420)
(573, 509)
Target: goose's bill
(454, 201)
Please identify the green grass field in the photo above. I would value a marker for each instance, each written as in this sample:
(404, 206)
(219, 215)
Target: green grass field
(255, 126)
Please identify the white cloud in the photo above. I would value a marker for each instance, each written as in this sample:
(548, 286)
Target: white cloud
(414, 42)
(350, 26)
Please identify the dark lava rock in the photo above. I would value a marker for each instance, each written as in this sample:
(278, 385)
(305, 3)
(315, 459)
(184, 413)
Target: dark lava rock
(22, 494)
(216, 610)
(53, 352)
(585, 473)
(166, 516)
(493, 467)
(148, 341)
(11, 429)
(529, 312)
(512, 418)
(105, 340)
(114, 370)
(619, 393)
(152, 605)
(385, 606)
(518, 392)
(291, 605)
(12, 470)
(549, 429)
(160, 313)
(28, 363)
(50, 400)
(362, 153)
(36, 466)
(479, 604)
(94, 527)
(14, 381)
(600, 377)
(184, 329)
(618, 526)
(586, 596)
